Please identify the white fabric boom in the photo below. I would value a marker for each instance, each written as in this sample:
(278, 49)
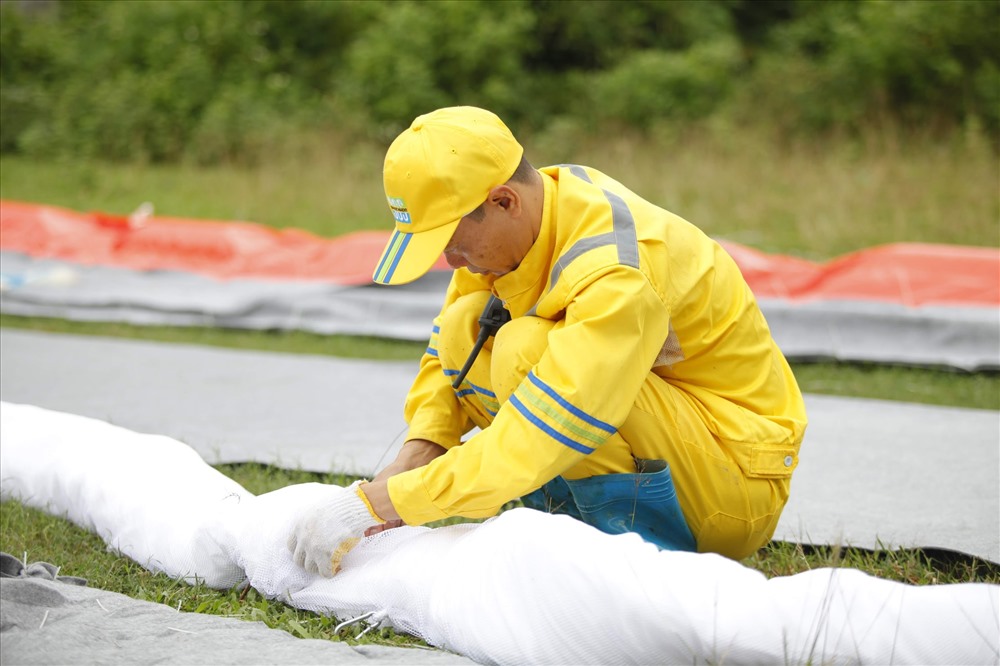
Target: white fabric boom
(525, 587)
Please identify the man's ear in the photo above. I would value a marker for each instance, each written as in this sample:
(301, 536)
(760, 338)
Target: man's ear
(506, 197)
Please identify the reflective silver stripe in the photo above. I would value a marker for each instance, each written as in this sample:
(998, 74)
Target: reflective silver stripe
(581, 246)
(624, 229)
(622, 235)
(579, 172)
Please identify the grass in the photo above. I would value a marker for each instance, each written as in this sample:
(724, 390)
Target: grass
(334, 190)
(291, 342)
(912, 566)
(816, 201)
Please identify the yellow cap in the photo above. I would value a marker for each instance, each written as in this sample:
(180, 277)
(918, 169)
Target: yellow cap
(436, 172)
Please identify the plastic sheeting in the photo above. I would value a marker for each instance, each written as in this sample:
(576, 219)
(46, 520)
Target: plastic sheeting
(525, 587)
(221, 249)
(46, 623)
(910, 274)
(901, 303)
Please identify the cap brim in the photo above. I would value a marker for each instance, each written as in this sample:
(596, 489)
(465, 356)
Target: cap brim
(407, 257)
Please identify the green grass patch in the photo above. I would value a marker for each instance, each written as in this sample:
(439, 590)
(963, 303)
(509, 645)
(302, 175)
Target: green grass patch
(289, 342)
(908, 565)
(815, 200)
(337, 189)
(931, 386)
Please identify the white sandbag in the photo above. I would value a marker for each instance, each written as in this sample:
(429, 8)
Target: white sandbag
(532, 588)
(149, 497)
(523, 588)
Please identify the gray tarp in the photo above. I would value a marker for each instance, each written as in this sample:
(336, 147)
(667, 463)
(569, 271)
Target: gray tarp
(967, 338)
(872, 473)
(48, 622)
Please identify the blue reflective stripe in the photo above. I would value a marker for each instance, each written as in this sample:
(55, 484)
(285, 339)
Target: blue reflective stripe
(386, 255)
(583, 416)
(538, 423)
(399, 255)
(436, 329)
(464, 392)
(396, 256)
(478, 389)
(432, 351)
(484, 391)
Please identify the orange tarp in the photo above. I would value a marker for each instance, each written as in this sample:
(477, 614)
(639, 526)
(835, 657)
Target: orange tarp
(905, 273)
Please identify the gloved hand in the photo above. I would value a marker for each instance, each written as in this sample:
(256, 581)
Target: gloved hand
(328, 530)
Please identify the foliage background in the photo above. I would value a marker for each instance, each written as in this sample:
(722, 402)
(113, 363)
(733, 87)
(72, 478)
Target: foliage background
(230, 81)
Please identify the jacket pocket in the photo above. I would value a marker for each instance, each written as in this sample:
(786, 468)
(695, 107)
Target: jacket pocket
(770, 462)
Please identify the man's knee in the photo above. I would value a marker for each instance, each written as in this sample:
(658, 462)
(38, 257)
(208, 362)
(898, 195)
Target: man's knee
(518, 347)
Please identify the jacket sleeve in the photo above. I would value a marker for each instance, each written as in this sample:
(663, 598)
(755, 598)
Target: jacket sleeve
(576, 396)
(432, 411)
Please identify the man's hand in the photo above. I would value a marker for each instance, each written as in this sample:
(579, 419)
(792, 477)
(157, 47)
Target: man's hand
(328, 530)
(415, 453)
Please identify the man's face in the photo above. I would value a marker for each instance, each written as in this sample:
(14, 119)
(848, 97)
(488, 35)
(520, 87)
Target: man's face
(494, 245)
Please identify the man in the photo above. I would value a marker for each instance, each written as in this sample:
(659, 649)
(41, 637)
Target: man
(637, 386)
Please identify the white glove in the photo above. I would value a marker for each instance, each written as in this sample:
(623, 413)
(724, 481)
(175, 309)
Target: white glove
(328, 530)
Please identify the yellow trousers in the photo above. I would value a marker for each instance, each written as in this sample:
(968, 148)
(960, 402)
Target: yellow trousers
(726, 511)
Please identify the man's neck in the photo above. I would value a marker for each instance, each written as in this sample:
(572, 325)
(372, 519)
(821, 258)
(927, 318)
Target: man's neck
(535, 203)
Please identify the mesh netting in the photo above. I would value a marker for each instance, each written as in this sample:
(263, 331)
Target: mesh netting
(525, 587)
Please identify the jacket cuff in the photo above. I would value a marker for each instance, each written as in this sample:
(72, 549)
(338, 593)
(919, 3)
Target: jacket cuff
(411, 500)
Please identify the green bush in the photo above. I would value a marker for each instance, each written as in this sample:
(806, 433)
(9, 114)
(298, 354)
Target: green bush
(843, 64)
(415, 57)
(154, 80)
(221, 81)
(648, 86)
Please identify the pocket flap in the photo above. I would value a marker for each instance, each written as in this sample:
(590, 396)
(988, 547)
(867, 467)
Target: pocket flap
(774, 463)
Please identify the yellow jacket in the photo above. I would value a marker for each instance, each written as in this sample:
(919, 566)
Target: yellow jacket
(639, 288)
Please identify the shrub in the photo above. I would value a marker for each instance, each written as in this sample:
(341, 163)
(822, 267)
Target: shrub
(649, 86)
(415, 57)
(210, 81)
(917, 63)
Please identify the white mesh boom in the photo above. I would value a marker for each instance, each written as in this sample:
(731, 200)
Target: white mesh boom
(523, 588)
